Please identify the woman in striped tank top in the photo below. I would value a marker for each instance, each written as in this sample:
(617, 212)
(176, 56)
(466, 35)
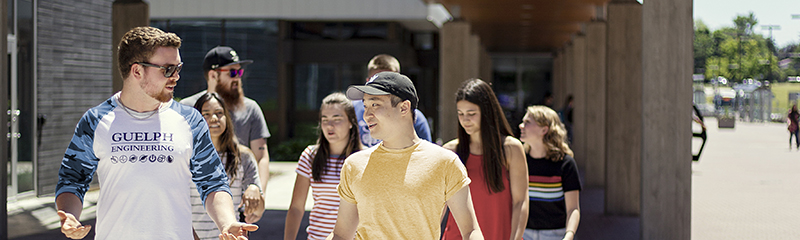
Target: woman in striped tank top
(495, 162)
(240, 166)
(319, 167)
(553, 185)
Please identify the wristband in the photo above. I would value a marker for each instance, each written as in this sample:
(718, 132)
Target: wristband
(570, 231)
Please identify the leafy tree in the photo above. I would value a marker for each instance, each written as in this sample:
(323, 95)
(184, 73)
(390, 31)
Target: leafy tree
(745, 24)
(737, 53)
(703, 45)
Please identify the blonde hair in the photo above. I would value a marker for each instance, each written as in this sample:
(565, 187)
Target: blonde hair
(555, 140)
(383, 62)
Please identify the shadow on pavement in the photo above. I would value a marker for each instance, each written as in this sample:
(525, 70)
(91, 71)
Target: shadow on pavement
(270, 227)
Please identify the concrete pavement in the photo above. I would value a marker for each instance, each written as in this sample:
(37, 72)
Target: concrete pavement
(745, 186)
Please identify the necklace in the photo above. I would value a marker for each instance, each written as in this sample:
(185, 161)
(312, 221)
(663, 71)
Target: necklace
(134, 114)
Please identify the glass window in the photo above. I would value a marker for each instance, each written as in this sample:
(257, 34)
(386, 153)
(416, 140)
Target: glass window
(256, 40)
(314, 81)
(198, 37)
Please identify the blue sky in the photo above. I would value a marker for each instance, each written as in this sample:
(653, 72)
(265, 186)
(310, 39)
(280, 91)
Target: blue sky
(720, 13)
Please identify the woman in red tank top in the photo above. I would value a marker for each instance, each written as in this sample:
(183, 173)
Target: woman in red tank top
(495, 163)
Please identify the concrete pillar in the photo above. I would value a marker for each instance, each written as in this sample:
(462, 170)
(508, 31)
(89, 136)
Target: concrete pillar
(486, 65)
(569, 77)
(624, 109)
(558, 73)
(579, 100)
(4, 97)
(595, 170)
(666, 117)
(458, 61)
(125, 14)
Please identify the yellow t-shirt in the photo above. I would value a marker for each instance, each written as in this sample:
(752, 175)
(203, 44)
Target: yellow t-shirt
(400, 194)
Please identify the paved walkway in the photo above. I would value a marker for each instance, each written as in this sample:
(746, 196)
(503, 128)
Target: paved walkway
(745, 186)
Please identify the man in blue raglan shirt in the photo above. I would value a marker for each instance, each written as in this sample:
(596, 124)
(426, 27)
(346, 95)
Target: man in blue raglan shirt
(146, 150)
(386, 63)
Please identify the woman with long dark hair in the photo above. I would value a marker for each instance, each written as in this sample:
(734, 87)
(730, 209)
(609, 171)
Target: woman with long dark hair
(495, 163)
(554, 184)
(319, 167)
(240, 166)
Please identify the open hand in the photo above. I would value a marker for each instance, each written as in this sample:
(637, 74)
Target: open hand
(236, 231)
(71, 227)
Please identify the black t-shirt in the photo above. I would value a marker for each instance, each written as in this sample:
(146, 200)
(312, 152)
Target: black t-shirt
(547, 183)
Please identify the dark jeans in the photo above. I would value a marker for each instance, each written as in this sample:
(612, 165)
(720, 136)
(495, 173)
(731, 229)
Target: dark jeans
(796, 135)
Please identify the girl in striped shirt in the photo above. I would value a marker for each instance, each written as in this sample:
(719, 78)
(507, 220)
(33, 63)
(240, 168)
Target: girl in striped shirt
(553, 182)
(240, 165)
(319, 166)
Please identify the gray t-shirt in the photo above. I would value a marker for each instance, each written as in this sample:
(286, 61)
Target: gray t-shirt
(248, 122)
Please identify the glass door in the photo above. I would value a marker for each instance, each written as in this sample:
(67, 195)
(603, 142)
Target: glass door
(21, 111)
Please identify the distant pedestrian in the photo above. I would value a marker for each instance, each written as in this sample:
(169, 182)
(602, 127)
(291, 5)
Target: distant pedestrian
(319, 167)
(495, 162)
(554, 186)
(793, 127)
(566, 117)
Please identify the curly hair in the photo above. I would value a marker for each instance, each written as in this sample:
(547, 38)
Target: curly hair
(139, 44)
(555, 140)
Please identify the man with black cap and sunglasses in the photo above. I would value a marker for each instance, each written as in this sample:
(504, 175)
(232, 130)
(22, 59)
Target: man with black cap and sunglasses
(398, 189)
(223, 72)
(145, 149)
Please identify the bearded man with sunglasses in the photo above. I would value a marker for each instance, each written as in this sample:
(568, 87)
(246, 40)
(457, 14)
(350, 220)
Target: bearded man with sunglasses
(223, 72)
(146, 150)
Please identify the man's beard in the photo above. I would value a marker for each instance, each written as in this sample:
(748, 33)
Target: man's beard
(161, 96)
(164, 96)
(232, 98)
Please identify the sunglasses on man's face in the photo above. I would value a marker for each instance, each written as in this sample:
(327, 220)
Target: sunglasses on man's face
(234, 72)
(169, 71)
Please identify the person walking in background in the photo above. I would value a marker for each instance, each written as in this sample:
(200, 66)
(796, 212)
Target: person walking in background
(223, 73)
(495, 162)
(390, 191)
(145, 149)
(554, 185)
(319, 168)
(240, 166)
(793, 126)
(386, 63)
(566, 117)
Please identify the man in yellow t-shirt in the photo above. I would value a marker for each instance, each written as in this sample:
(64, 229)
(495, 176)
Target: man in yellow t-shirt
(398, 188)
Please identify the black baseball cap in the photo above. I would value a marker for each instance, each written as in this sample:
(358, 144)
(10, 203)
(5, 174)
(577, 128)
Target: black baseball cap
(384, 83)
(221, 56)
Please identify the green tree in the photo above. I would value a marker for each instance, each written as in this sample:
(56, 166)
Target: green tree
(745, 24)
(703, 45)
(740, 54)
